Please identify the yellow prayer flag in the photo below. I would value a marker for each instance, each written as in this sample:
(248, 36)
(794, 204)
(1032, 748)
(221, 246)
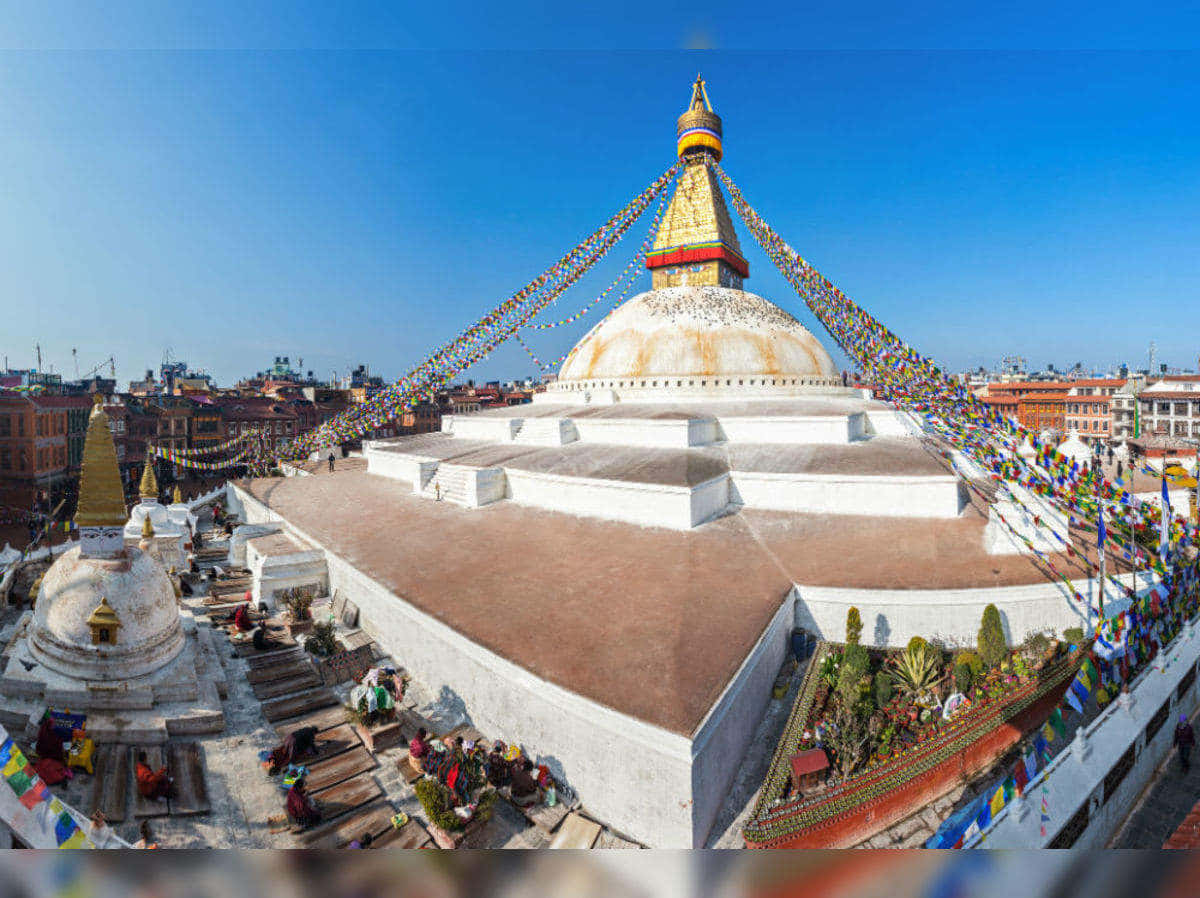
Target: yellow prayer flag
(77, 840)
(997, 802)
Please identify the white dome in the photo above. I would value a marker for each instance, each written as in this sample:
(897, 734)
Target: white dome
(138, 591)
(698, 332)
(161, 519)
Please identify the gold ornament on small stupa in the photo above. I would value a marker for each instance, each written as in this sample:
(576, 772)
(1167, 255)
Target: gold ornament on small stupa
(147, 528)
(149, 485)
(177, 496)
(104, 624)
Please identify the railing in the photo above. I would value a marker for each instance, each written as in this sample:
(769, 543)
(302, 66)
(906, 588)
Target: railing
(1125, 730)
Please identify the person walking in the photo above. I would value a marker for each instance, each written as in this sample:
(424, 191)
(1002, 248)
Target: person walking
(330, 461)
(1185, 738)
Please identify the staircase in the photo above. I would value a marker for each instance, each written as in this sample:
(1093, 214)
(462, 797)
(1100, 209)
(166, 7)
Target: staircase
(546, 432)
(450, 483)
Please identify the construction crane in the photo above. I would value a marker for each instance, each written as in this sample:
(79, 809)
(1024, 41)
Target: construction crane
(110, 361)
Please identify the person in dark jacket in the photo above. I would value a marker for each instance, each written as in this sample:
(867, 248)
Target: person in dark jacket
(1185, 738)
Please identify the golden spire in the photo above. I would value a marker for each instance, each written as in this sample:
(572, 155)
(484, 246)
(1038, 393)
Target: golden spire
(177, 496)
(149, 485)
(147, 528)
(698, 130)
(101, 499)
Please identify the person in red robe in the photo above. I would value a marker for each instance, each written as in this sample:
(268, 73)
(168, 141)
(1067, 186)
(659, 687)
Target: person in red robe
(300, 807)
(152, 784)
(241, 617)
(49, 743)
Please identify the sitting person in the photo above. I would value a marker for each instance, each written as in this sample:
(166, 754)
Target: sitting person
(300, 807)
(295, 745)
(498, 773)
(147, 838)
(152, 784)
(49, 743)
(524, 786)
(418, 748)
(262, 639)
(242, 618)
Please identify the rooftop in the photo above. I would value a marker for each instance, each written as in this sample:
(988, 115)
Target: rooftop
(680, 609)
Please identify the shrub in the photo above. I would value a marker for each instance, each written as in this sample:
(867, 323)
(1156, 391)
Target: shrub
(971, 660)
(917, 643)
(1036, 645)
(883, 689)
(437, 803)
(485, 806)
(1073, 635)
(321, 640)
(853, 626)
(962, 677)
(993, 648)
(854, 667)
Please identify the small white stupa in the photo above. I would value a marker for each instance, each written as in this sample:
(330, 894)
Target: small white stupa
(170, 537)
(1075, 449)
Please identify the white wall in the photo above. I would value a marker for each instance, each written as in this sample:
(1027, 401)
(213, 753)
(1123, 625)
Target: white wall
(723, 738)
(821, 429)
(909, 497)
(634, 776)
(678, 434)
(481, 428)
(651, 505)
(891, 617)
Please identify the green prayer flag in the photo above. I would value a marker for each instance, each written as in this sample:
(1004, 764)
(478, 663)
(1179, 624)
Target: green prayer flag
(1010, 789)
(20, 781)
(1089, 672)
(1056, 722)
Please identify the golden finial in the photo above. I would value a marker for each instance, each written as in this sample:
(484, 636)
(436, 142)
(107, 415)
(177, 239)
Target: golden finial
(698, 130)
(101, 498)
(149, 485)
(147, 528)
(177, 496)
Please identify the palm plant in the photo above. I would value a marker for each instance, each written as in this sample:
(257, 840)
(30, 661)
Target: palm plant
(916, 672)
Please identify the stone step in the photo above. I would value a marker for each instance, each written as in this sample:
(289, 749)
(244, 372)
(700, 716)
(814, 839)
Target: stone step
(293, 705)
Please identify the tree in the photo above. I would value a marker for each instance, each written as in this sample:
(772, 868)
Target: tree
(853, 626)
(855, 663)
(882, 687)
(993, 648)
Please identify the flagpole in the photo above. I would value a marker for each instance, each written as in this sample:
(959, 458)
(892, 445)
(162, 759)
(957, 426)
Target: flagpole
(1101, 541)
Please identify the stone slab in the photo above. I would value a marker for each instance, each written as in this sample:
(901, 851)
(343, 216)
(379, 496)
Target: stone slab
(110, 783)
(185, 762)
(576, 831)
(146, 807)
(374, 819)
(269, 659)
(411, 835)
(293, 705)
(290, 686)
(282, 670)
(333, 742)
(346, 796)
(324, 719)
(338, 768)
(544, 818)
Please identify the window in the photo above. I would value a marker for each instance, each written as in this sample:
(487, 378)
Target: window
(1181, 408)
(1164, 408)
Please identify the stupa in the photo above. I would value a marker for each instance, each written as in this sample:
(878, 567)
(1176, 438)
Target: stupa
(611, 575)
(172, 535)
(106, 636)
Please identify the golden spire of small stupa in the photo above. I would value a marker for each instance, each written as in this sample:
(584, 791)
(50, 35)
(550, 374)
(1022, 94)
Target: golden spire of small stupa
(177, 496)
(147, 528)
(101, 499)
(149, 485)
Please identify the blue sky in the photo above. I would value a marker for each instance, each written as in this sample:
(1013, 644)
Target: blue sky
(360, 206)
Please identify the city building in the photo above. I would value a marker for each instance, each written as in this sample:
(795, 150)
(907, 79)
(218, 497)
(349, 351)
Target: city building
(1170, 406)
(1089, 408)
